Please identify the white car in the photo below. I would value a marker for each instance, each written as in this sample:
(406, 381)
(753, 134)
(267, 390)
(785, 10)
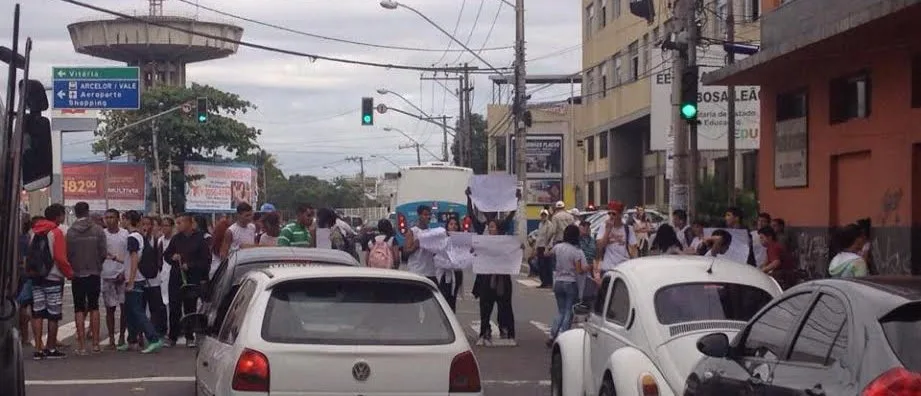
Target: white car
(640, 336)
(322, 330)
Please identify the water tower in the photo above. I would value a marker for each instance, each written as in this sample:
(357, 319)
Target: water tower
(160, 52)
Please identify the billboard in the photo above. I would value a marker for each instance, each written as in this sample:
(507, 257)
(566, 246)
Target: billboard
(220, 187)
(86, 181)
(544, 192)
(712, 114)
(544, 156)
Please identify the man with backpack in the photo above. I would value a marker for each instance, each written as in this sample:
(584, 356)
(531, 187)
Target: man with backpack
(136, 282)
(47, 266)
(86, 251)
(150, 266)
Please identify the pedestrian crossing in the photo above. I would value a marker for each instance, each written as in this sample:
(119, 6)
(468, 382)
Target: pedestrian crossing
(475, 328)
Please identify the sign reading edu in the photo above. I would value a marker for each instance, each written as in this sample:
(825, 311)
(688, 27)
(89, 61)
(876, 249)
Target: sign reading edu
(102, 88)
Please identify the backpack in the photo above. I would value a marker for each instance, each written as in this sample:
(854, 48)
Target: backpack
(343, 241)
(39, 260)
(381, 254)
(149, 265)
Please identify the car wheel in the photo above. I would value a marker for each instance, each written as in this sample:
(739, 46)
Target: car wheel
(556, 375)
(607, 387)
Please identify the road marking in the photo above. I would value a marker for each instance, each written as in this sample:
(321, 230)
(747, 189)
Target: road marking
(475, 325)
(110, 381)
(67, 330)
(533, 283)
(541, 326)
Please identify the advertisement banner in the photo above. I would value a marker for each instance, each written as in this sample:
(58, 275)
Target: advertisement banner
(544, 192)
(219, 187)
(712, 114)
(544, 156)
(127, 186)
(791, 153)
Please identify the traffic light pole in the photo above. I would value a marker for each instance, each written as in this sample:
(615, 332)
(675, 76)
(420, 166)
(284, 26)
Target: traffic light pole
(731, 107)
(519, 107)
(694, 155)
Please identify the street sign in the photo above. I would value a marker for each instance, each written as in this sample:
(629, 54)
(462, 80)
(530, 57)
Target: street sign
(102, 88)
(187, 108)
(381, 108)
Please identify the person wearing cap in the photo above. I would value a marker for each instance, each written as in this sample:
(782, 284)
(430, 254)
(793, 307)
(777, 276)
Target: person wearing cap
(559, 221)
(541, 244)
(616, 240)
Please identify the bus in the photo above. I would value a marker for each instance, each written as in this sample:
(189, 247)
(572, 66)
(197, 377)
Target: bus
(437, 185)
(25, 163)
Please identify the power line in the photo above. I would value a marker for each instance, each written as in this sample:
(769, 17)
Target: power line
(454, 33)
(312, 57)
(476, 20)
(329, 38)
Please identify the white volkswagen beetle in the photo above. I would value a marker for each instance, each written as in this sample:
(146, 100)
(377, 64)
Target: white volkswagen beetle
(640, 336)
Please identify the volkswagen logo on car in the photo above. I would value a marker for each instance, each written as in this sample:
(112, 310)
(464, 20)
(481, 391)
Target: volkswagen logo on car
(361, 371)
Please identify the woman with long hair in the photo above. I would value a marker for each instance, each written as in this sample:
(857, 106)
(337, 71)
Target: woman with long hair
(570, 262)
(666, 241)
(220, 232)
(449, 280)
(271, 230)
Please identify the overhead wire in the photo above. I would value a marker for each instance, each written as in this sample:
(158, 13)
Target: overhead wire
(476, 21)
(328, 38)
(460, 14)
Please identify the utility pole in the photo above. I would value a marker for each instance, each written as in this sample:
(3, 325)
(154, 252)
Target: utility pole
(468, 125)
(519, 107)
(416, 146)
(444, 144)
(678, 196)
(459, 138)
(159, 177)
(458, 141)
(731, 106)
(361, 177)
(692, 173)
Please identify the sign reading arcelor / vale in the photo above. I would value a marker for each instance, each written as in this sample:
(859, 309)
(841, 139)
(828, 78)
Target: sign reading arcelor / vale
(103, 88)
(219, 187)
(712, 109)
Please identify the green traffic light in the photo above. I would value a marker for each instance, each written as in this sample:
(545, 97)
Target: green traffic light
(689, 111)
(202, 118)
(366, 119)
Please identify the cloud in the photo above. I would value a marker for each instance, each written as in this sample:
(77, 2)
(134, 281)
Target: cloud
(307, 109)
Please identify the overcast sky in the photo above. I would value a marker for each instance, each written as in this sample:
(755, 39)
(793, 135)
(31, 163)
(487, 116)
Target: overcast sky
(309, 111)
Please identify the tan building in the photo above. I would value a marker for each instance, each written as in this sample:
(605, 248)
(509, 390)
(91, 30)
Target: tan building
(624, 156)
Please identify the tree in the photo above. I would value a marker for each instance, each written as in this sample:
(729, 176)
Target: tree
(479, 145)
(180, 136)
(713, 198)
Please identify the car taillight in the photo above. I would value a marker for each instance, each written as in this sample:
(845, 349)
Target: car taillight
(464, 376)
(468, 222)
(251, 373)
(895, 382)
(648, 385)
(401, 223)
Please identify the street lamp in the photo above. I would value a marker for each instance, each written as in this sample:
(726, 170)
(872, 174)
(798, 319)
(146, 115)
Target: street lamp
(392, 5)
(444, 121)
(415, 143)
(386, 159)
(384, 91)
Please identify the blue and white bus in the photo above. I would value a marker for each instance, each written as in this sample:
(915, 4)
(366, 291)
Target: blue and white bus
(437, 185)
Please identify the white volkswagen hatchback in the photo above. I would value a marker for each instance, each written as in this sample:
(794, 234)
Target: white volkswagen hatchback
(337, 331)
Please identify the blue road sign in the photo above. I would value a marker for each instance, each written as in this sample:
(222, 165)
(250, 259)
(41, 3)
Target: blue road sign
(99, 88)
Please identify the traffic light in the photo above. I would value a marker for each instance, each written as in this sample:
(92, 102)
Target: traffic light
(36, 138)
(367, 111)
(202, 110)
(689, 89)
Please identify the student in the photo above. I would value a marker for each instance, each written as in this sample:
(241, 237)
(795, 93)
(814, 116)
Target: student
(138, 322)
(48, 250)
(86, 251)
(113, 275)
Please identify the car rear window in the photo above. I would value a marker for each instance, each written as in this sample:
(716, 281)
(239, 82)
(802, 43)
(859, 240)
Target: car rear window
(691, 302)
(355, 312)
(903, 331)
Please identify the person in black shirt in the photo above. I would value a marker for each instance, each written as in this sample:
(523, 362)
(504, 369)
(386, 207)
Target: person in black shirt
(189, 257)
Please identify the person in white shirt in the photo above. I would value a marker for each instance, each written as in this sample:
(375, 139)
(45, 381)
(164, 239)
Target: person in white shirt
(242, 233)
(113, 275)
(421, 261)
(617, 242)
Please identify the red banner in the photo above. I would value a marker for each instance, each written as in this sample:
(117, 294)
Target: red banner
(127, 185)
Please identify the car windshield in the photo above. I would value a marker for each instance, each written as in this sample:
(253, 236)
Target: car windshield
(691, 302)
(355, 312)
(903, 331)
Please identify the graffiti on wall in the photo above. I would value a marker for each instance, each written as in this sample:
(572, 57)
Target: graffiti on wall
(812, 253)
(889, 206)
(890, 251)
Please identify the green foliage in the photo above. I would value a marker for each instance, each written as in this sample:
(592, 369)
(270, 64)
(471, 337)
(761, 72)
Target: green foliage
(713, 200)
(480, 142)
(339, 193)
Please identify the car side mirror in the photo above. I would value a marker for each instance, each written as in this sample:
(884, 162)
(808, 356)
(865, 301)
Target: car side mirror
(714, 345)
(197, 322)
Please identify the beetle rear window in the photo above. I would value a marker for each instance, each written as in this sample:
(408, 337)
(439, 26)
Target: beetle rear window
(903, 331)
(355, 312)
(690, 302)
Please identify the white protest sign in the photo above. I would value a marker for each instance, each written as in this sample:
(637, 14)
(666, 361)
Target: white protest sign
(457, 256)
(433, 240)
(323, 238)
(738, 248)
(497, 254)
(495, 192)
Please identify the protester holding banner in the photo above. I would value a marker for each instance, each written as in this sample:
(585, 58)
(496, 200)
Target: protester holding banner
(495, 289)
(420, 261)
(449, 279)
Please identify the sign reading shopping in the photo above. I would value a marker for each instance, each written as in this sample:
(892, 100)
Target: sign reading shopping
(103, 88)
(712, 109)
(86, 181)
(219, 187)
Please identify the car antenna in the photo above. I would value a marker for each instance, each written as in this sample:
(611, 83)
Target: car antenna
(710, 268)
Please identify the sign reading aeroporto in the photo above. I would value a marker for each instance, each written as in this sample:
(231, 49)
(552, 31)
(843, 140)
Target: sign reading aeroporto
(86, 181)
(712, 114)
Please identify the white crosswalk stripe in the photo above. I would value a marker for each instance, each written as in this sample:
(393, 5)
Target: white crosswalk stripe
(542, 327)
(532, 283)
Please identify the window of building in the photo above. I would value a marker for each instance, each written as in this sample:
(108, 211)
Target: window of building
(750, 171)
(649, 190)
(603, 192)
(634, 61)
(603, 145)
(655, 36)
(603, 21)
(916, 81)
(616, 11)
(604, 79)
(752, 10)
(849, 97)
(501, 148)
(792, 105)
(644, 50)
(591, 192)
(590, 148)
(722, 12)
(589, 85)
(589, 20)
(618, 65)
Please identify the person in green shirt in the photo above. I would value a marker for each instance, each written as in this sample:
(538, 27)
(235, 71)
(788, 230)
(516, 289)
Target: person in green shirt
(299, 233)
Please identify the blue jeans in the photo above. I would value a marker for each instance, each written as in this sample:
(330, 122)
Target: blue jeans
(136, 312)
(567, 294)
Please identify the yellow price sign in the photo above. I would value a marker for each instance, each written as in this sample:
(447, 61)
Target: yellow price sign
(81, 186)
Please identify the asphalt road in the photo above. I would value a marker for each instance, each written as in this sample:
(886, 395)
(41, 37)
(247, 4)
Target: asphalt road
(506, 371)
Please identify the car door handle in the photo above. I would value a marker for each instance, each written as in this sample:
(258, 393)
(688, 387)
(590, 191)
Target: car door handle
(816, 390)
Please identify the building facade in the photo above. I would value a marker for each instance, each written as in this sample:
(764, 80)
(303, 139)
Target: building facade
(841, 122)
(621, 132)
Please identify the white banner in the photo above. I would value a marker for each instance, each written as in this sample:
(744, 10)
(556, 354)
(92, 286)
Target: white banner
(713, 127)
(497, 254)
(738, 249)
(494, 192)
(457, 255)
(219, 187)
